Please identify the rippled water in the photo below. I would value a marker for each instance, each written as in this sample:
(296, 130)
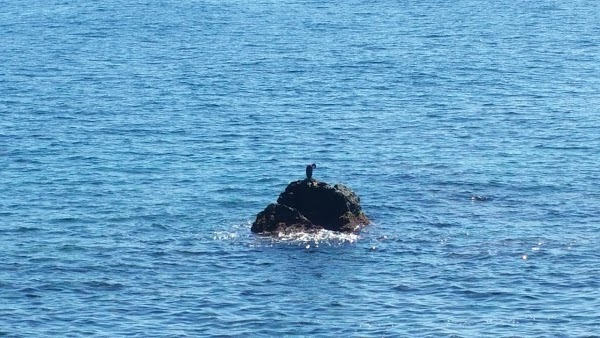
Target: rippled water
(139, 139)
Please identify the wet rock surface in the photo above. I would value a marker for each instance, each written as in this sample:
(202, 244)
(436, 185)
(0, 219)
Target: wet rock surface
(309, 205)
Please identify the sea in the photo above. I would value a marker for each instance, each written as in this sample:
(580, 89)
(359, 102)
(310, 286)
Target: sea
(139, 139)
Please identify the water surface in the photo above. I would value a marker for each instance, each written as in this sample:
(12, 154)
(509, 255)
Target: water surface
(139, 139)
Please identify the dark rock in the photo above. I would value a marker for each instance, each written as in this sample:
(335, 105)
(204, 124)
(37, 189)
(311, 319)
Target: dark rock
(281, 218)
(310, 205)
(480, 198)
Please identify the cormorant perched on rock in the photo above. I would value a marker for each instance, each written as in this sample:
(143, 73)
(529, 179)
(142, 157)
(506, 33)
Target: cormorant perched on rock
(309, 170)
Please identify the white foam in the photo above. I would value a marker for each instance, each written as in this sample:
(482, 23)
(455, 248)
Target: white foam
(321, 237)
(240, 232)
(223, 235)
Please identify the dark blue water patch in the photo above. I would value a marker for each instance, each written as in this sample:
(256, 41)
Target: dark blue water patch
(22, 229)
(72, 248)
(66, 220)
(103, 286)
(446, 225)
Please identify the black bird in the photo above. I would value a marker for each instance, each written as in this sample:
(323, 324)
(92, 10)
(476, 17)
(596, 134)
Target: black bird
(309, 170)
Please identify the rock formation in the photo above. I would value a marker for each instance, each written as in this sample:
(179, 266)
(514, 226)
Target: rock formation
(309, 205)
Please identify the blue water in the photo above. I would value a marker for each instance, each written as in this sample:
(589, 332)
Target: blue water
(139, 139)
